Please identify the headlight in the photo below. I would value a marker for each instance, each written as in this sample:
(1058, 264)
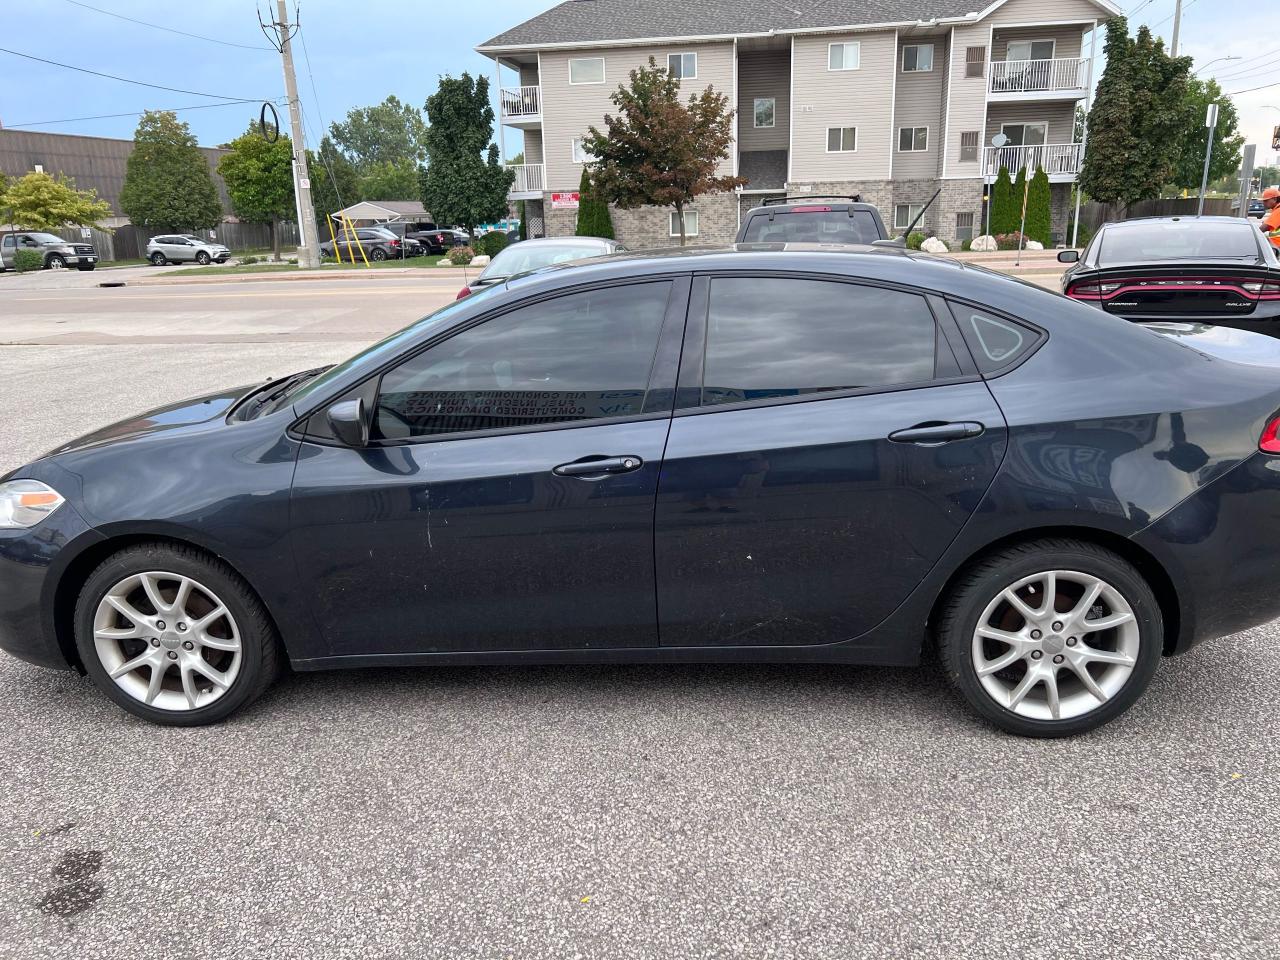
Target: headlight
(24, 503)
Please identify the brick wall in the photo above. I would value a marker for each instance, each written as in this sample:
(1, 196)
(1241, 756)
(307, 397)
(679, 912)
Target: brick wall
(958, 196)
(648, 227)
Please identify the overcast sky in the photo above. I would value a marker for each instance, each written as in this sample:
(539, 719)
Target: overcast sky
(360, 52)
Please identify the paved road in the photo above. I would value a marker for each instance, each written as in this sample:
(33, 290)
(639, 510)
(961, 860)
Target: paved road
(685, 812)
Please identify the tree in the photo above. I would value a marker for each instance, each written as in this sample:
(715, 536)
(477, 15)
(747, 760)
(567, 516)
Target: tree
(1227, 139)
(334, 181)
(390, 132)
(593, 213)
(259, 178)
(1002, 216)
(463, 182)
(388, 180)
(39, 201)
(167, 183)
(658, 150)
(1039, 209)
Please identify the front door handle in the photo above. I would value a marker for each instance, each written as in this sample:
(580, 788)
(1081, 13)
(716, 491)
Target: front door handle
(598, 466)
(934, 433)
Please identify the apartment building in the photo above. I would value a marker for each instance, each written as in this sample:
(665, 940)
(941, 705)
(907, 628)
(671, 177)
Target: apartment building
(889, 99)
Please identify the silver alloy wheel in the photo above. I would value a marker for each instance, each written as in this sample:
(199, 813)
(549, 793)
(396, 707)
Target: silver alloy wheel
(167, 640)
(57, 263)
(1055, 645)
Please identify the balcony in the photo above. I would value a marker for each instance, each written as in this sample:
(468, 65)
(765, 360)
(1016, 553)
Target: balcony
(1062, 79)
(530, 182)
(521, 106)
(1061, 161)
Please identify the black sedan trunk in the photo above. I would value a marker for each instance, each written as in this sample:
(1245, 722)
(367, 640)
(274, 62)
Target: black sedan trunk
(1209, 291)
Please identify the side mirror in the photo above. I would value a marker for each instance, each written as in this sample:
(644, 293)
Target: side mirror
(348, 422)
(1068, 256)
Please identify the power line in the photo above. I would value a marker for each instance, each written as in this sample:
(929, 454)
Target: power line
(1265, 86)
(1235, 74)
(109, 76)
(156, 26)
(1170, 16)
(306, 56)
(133, 113)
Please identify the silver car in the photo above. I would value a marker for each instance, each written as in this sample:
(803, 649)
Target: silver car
(54, 251)
(184, 247)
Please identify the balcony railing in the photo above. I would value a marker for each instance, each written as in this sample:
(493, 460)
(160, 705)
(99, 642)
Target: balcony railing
(530, 177)
(1056, 159)
(1039, 76)
(520, 102)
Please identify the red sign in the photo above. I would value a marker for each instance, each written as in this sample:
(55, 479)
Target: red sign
(561, 201)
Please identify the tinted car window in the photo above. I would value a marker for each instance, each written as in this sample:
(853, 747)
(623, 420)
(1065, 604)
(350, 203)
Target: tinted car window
(1172, 240)
(995, 342)
(577, 357)
(834, 226)
(772, 337)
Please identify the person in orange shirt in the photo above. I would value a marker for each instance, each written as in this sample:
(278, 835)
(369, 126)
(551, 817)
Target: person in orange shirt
(1270, 224)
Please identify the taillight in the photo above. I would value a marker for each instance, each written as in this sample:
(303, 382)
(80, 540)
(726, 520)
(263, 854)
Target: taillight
(810, 209)
(1262, 289)
(394, 243)
(462, 293)
(1269, 442)
(1091, 291)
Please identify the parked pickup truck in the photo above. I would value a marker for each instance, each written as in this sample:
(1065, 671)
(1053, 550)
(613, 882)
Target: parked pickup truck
(57, 253)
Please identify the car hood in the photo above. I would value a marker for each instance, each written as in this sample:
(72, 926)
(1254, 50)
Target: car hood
(175, 416)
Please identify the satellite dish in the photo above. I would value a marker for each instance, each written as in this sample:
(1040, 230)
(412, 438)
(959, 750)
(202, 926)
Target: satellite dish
(999, 140)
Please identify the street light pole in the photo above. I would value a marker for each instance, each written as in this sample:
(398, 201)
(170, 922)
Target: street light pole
(1211, 122)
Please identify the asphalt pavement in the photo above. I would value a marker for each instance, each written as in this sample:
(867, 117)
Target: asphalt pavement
(595, 812)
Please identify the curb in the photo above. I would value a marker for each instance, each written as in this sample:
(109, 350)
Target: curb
(282, 277)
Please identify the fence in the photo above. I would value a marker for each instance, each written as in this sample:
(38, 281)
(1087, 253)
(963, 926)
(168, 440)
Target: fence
(130, 242)
(1094, 214)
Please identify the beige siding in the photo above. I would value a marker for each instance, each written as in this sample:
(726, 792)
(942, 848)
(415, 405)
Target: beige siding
(1066, 39)
(967, 98)
(941, 139)
(567, 110)
(1059, 116)
(1046, 11)
(918, 103)
(533, 146)
(764, 74)
(825, 98)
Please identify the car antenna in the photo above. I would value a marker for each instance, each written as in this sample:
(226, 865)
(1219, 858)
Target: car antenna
(907, 232)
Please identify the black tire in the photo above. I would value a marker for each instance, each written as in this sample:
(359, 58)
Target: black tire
(158, 258)
(378, 254)
(55, 261)
(981, 583)
(202, 258)
(260, 645)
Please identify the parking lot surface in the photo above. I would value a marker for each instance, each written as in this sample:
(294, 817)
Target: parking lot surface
(674, 812)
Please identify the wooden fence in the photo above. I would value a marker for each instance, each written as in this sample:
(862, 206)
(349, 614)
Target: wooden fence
(1093, 214)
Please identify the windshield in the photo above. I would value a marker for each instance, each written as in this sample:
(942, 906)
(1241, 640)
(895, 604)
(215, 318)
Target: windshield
(828, 226)
(1178, 240)
(522, 257)
(45, 238)
(386, 346)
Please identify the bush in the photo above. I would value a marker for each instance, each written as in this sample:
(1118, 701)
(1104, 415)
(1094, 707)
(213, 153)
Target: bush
(492, 243)
(914, 240)
(1010, 241)
(594, 219)
(25, 260)
(524, 220)
(1039, 217)
(966, 246)
(1003, 215)
(460, 256)
(244, 261)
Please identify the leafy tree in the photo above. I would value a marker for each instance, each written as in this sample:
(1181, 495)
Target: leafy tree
(463, 182)
(1227, 139)
(167, 183)
(388, 180)
(259, 178)
(1039, 209)
(390, 132)
(593, 213)
(334, 182)
(658, 150)
(524, 219)
(1002, 216)
(39, 201)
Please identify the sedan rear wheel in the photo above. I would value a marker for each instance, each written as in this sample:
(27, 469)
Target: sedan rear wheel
(173, 636)
(1052, 638)
(378, 254)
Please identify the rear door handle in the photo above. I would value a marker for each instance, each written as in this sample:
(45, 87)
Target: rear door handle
(598, 467)
(934, 433)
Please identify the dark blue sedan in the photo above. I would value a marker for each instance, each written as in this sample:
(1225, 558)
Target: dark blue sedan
(774, 454)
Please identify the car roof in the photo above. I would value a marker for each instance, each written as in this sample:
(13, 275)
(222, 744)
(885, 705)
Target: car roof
(567, 241)
(833, 203)
(1185, 218)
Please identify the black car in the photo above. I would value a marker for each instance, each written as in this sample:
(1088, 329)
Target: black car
(1257, 208)
(1219, 270)
(813, 220)
(434, 239)
(377, 243)
(821, 454)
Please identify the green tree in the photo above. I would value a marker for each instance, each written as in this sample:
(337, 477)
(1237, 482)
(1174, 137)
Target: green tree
(1039, 209)
(389, 132)
(1002, 216)
(167, 183)
(387, 180)
(593, 212)
(463, 182)
(334, 182)
(1227, 139)
(259, 178)
(524, 219)
(39, 201)
(658, 150)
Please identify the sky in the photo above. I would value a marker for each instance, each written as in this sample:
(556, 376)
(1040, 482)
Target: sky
(360, 52)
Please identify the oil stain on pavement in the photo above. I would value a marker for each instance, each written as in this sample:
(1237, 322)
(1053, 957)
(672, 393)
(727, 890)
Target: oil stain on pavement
(78, 890)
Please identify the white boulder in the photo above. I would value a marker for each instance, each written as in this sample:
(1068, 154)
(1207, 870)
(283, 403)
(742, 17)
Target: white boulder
(984, 243)
(933, 245)
(480, 261)
(1033, 245)
(444, 262)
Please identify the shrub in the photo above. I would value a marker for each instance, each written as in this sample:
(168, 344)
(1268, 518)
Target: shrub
(1010, 241)
(524, 220)
(244, 261)
(966, 246)
(1002, 215)
(492, 243)
(594, 219)
(1039, 218)
(914, 240)
(460, 256)
(25, 260)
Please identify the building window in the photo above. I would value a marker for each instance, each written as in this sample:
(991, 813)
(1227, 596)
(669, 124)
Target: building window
(765, 108)
(586, 70)
(690, 223)
(969, 146)
(579, 152)
(964, 226)
(1025, 134)
(975, 61)
(913, 139)
(844, 56)
(1030, 50)
(842, 139)
(904, 213)
(682, 66)
(917, 58)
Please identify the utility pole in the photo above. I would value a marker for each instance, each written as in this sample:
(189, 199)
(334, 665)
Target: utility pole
(1177, 22)
(309, 249)
(1211, 123)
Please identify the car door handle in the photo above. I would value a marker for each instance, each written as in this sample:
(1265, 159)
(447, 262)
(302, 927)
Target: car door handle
(931, 433)
(598, 466)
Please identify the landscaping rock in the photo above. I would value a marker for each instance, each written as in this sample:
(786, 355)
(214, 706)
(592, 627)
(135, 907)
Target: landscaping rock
(934, 245)
(1033, 245)
(984, 244)
(480, 261)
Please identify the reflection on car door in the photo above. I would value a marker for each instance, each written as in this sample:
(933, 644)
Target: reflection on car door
(792, 510)
(506, 501)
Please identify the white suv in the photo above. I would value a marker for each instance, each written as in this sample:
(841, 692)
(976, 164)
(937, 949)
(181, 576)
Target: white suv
(176, 248)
